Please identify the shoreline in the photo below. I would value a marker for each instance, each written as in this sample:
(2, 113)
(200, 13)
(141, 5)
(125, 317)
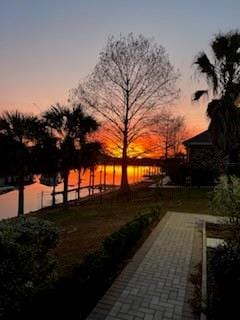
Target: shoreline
(72, 203)
(75, 203)
(6, 189)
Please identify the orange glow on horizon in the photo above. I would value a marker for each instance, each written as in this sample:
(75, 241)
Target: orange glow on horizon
(148, 145)
(135, 174)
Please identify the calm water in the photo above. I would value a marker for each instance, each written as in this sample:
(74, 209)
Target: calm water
(38, 195)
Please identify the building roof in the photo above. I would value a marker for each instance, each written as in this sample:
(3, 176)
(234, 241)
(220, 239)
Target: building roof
(202, 138)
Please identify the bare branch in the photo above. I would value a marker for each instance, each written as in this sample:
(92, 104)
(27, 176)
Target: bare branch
(132, 79)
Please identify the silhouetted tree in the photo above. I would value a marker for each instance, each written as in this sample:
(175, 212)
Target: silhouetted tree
(46, 158)
(132, 79)
(169, 130)
(71, 126)
(19, 133)
(87, 157)
(222, 73)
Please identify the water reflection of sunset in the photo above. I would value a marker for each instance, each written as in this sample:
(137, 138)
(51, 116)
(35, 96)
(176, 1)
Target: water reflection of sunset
(135, 174)
(38, 195)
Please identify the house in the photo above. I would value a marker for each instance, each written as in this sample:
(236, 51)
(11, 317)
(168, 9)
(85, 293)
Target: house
(202, 156)
(199, 144)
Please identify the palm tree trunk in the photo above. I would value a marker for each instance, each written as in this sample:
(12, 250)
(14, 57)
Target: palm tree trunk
(54, 190)
(65, 187)
(21, 196)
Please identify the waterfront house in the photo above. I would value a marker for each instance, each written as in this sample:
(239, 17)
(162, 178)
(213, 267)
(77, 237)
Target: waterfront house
(203, 157)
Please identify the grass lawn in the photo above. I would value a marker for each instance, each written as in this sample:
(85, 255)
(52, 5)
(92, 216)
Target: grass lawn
(84, 227)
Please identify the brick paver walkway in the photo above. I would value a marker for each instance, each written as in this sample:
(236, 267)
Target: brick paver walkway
(153, 285)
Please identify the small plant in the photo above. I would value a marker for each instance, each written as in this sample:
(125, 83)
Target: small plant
(226, 198)
(26, 267)
(224, 261)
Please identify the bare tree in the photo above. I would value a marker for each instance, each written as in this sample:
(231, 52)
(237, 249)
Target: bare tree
(132, 79)
(170, 132)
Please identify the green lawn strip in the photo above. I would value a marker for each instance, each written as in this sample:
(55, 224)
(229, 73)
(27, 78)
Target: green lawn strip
(84, 227)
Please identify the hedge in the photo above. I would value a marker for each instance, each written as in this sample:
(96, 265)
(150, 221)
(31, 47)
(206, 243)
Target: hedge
(25, 264)
(76, 296)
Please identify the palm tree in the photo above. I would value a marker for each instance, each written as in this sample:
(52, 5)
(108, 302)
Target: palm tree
(19, 133)
(46, 148)
(87, 158)
(71, 126)
(222, 74)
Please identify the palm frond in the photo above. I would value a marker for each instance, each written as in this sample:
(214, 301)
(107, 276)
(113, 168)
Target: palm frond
(19, 126)
(225, 45)
(220, 46)
(205, 67)
(198, 94)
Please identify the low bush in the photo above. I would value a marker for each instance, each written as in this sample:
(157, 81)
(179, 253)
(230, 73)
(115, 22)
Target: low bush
(226, 198)
(224, 261)
(203, 176)
(26, 267)
(119, 242)
(199, 176)
(224, 281)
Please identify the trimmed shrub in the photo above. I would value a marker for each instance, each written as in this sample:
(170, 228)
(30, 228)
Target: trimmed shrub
(119, 242)
(74, 297)
(25, 266)
(100, 267)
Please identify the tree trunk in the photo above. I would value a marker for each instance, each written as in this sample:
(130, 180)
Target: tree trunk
(124, 188)
(65, 187)
(166, 153)
(21, 197)
(54, 190)
(166, 149)
(79, 182)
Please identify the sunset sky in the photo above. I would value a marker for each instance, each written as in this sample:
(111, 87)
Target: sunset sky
(47, 46)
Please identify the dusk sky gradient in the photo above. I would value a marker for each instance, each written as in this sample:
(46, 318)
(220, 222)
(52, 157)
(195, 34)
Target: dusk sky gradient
(47, 46)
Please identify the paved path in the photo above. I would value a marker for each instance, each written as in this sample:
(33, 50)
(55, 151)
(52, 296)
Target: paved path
(153, 285)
